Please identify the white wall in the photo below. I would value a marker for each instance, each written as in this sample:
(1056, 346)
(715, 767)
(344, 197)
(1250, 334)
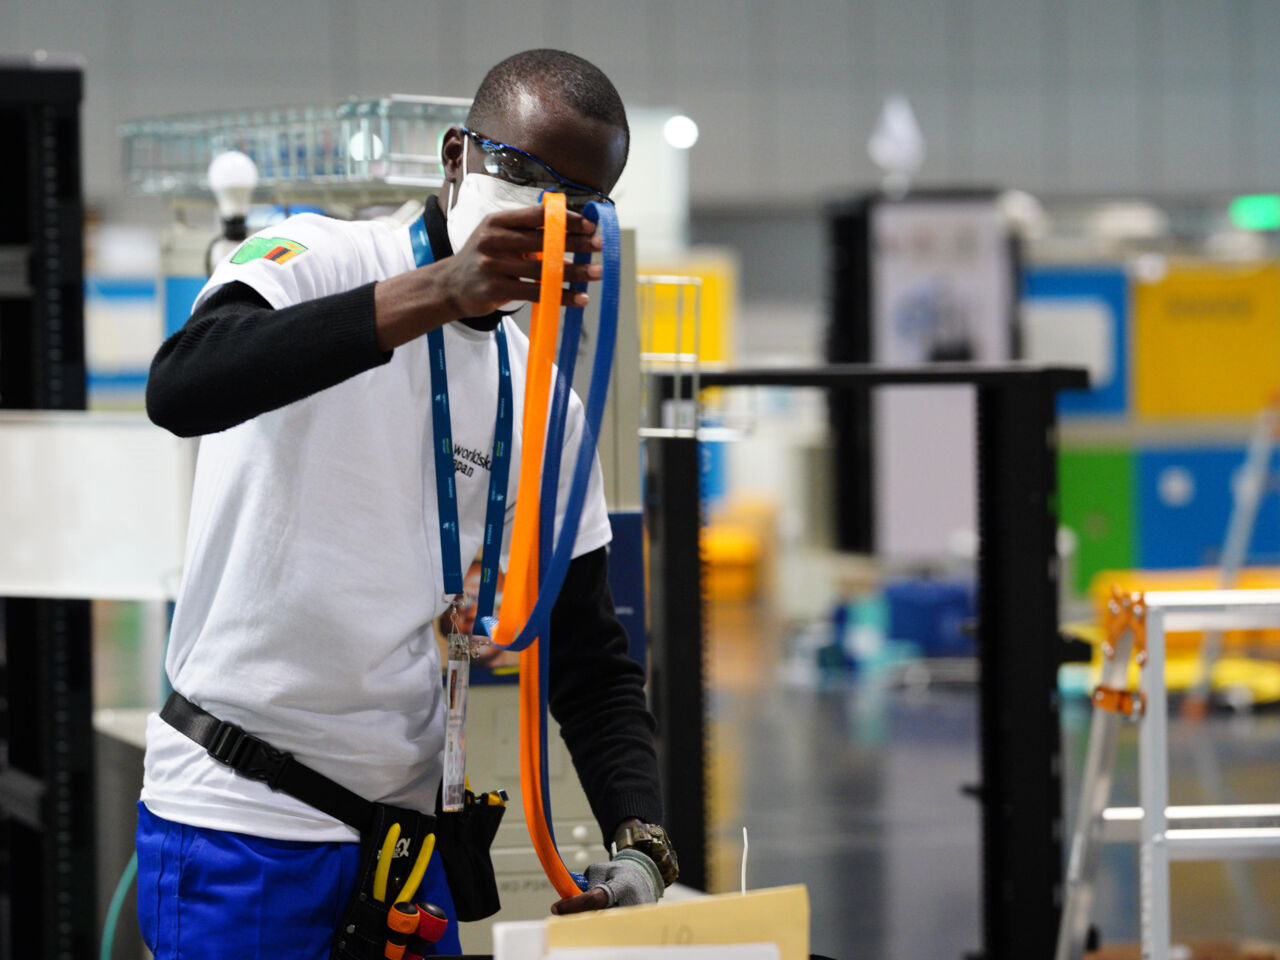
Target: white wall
(1052, 95)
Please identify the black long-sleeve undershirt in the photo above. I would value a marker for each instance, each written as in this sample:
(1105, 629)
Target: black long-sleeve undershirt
(597, 696)
(236, 358)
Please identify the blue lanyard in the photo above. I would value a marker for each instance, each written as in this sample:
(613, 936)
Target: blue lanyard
(499, 464)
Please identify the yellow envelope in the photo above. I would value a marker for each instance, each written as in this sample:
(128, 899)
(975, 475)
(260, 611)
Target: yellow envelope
(779, 915)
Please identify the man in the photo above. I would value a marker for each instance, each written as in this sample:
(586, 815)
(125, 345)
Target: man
(315, 556)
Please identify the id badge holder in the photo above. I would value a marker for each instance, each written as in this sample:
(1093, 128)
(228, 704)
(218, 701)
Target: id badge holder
(457, 678)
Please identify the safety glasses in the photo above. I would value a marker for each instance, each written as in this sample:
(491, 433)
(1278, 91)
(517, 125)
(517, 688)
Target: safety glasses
(524, 169)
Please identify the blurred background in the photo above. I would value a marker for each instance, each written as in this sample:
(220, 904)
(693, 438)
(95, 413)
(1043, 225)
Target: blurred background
(1064, 182)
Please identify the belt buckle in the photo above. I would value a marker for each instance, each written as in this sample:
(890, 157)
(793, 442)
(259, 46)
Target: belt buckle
(227, 744)
(246, 754)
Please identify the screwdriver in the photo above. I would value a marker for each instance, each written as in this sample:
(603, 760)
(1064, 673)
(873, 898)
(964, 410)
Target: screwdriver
(402, 923)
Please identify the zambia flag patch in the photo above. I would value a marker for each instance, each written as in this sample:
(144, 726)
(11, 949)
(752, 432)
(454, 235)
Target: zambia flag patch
(275, 249)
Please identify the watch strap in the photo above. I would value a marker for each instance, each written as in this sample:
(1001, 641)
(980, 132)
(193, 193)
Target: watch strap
(651, 840)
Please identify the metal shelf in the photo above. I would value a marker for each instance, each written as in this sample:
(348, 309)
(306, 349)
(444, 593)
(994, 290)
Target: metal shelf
(358, 147)
(1224, 843)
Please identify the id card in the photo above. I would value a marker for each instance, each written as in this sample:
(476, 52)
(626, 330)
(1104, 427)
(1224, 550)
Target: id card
(457, 677)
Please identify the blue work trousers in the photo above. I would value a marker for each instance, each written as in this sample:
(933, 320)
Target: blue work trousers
(213, 894)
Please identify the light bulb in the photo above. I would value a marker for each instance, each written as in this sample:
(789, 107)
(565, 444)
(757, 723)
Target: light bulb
(897, 145)
(232, 177)
(356, 148)
(681, 132)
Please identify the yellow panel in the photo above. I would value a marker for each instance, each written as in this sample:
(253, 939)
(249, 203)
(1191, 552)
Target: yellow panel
(718, 271)
(1206, 340)
(779, 915)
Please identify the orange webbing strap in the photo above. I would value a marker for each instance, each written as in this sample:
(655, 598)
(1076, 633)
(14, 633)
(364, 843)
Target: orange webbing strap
(531, 777)
(521, 590)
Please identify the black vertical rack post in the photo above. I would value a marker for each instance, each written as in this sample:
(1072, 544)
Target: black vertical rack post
(677, 681)
(1018, 641)
(47, 869)
(849, 412)
(1019, 651)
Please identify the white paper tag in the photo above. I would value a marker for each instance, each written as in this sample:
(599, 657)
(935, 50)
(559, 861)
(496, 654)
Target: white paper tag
(457, 677)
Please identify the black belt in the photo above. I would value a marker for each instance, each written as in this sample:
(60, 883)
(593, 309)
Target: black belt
(258, 760)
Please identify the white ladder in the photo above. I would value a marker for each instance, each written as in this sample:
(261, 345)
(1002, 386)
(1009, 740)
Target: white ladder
(1164, 833)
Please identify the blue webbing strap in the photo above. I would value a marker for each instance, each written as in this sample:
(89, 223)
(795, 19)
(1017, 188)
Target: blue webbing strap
(602, 366)
(555, 553)
(570, 339)
(553, 578)
(554, 571)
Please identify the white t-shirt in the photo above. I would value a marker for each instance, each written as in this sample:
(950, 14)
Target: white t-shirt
(313, 570)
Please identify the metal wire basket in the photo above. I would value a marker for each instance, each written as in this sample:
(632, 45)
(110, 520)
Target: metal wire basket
(384, 144)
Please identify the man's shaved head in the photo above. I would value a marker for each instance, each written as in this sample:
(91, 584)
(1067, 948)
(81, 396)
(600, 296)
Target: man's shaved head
(559, 77)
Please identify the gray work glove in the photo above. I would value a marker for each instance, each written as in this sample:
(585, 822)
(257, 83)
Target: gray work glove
(628, 879)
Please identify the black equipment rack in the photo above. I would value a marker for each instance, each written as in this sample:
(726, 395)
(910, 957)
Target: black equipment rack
(1018, 641)
(47, 867)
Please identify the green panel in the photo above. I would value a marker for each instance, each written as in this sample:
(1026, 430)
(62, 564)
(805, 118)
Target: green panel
(1258, 211)
(1095, 497)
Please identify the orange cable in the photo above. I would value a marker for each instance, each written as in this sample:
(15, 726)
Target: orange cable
(521, 590)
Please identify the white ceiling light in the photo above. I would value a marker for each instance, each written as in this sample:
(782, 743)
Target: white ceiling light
(357, 150)
(681, 132)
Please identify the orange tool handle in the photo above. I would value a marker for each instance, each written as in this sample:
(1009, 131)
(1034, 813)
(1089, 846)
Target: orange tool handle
(402, 923)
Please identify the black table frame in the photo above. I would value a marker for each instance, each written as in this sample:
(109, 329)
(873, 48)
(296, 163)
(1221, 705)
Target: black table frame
(1018, 642)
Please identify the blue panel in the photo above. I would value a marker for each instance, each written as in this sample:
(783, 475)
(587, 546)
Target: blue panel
(1110, 286)
(1184, 507)
(626, 577)
(126, 381)
(135, 292)
(179, 294)
(714, 471)
(933, 615)
(120, 288)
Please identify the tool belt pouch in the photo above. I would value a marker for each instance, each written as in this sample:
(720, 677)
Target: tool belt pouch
(362, 934)
(463, 839)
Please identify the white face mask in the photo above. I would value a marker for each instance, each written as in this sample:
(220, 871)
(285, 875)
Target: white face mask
(478, 196)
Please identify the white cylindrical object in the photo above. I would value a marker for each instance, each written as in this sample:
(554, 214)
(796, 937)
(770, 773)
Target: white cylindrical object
(232, 178)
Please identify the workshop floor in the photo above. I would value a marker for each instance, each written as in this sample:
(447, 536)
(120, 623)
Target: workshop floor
(854, 790)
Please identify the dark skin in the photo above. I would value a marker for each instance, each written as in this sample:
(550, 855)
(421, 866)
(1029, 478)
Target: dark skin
(496, 264)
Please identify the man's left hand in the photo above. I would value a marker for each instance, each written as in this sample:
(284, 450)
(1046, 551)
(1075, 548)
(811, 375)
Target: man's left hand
(628, 879)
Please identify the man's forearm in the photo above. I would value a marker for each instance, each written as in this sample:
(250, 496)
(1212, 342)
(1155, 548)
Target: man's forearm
(412, 304)
(237, 358)
(597, 696)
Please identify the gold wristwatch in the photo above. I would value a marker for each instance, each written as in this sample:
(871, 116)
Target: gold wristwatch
(651, 840)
